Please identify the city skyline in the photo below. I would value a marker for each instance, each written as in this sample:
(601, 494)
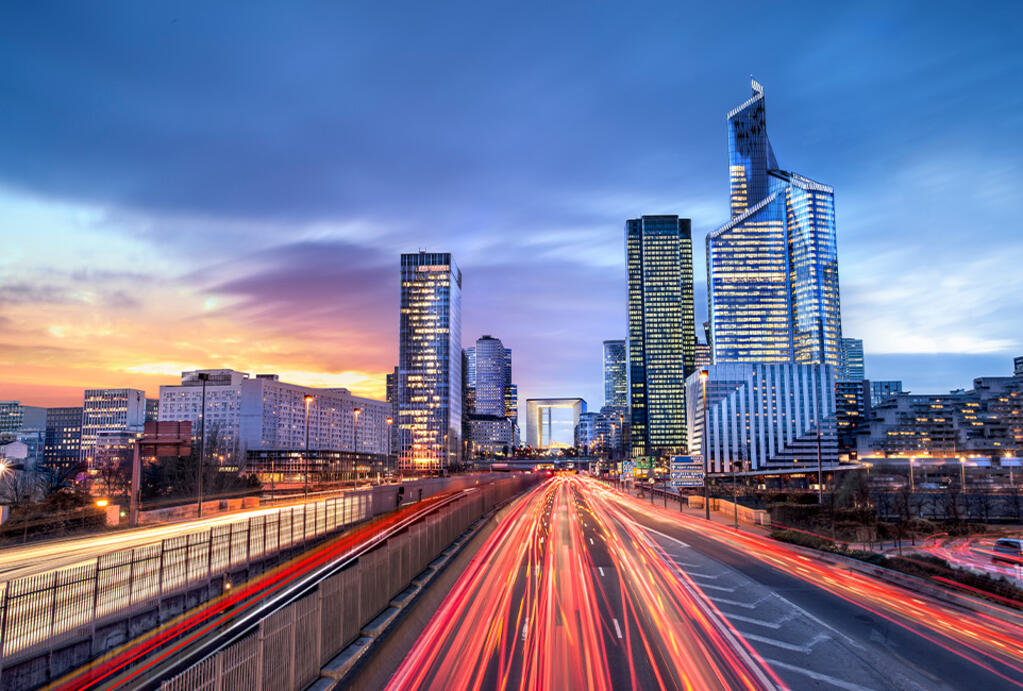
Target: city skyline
(124, 271)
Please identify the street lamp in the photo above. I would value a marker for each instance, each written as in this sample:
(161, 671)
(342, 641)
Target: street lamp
(389, 422)
(308, 402)
(355, 461)
(703, 448)
(203, 377)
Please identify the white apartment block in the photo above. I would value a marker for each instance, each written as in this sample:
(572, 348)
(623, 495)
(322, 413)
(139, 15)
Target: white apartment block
(110, 410)
(246, 413)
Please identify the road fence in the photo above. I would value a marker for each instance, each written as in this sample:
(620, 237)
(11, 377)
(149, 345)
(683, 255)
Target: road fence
(290, 646)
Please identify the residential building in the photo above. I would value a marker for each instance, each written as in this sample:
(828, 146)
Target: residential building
(110, 410)
(659, 259)
(772, 269)
(763, 415)
(851, 368)
(430, 362)
(986, 420)
(881, 391)
(63, 436)
(616, 374)
(246, 414)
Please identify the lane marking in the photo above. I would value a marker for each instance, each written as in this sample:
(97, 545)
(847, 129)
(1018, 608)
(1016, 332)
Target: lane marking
(525, 628)
(697, 574)
(761, 622)
(814, 619)
(817, 676)
(601, 569)
(591, 540)
(716, 587)
(736, 603)
(805, 649)
(618, 630)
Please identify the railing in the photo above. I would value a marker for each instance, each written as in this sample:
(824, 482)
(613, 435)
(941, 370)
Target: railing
(290, 646)
(41, 611)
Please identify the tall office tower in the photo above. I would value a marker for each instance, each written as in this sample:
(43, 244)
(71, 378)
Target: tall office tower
(63, 436)
(616, 376)
(851, 368)
(491, 370)
(659, 257)
(110, 410)
(391, 383)
(772, 270)
(430, 362)
(511, 391)
(469, 375)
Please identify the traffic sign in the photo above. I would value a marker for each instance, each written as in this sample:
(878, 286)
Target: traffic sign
(686, 471)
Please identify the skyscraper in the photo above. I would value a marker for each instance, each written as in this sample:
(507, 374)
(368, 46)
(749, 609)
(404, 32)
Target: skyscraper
(772, 270)
(491, 370)
(616, 376)
(852, 360)
(430, 362)
(662, 335)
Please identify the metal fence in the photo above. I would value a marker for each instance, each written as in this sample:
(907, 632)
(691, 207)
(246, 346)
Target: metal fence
(42, 611)
(293, 644)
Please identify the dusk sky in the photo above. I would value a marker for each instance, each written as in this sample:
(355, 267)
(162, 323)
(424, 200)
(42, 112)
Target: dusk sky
(187, 185)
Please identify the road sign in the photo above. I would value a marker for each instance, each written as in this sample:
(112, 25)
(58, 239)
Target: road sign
(686, 471)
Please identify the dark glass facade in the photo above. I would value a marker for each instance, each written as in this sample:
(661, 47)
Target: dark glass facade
(772, 270)
(662, 333)
(63, 436)
(430, 362)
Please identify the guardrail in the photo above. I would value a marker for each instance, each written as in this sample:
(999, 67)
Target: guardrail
(289, 647)
(71, 615)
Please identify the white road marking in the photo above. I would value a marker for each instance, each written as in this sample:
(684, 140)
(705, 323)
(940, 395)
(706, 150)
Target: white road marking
(525, 628)
(805, 649)
(716, 587)
(814, 619)
(601, 569)
(618, 630)
(736, 603)
(761, 622)
(591, 540)
(697, 574)
(817, 676)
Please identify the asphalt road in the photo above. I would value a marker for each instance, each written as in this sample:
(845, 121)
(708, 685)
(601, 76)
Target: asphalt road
(581, 586)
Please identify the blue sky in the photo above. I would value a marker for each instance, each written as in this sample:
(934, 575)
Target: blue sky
(183, 184)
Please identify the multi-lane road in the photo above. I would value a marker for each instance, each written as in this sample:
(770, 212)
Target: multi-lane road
(582, 586)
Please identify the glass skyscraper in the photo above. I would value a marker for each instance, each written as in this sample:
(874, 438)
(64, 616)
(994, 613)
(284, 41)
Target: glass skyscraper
(662, 332)
(430, 362)
(616, 376)
(772, 270)
(852, 360)
(490, 382)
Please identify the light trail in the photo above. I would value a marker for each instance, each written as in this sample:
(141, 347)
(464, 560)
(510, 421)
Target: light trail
(568, 593)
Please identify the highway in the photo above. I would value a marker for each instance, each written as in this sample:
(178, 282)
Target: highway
(973, 553)
(582, 586)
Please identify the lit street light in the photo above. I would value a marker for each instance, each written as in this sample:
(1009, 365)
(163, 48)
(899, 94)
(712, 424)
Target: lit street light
(355, 461)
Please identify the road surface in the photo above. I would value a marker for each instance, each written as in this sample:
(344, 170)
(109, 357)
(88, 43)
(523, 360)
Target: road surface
(582, 586)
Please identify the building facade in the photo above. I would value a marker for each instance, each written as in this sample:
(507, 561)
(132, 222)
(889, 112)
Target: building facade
(616, 374)
(852, 360)
(245, 414)
(491, 372)
(1017, 365)
(110, 410)
(763, 416)
(881, 391)
(772, 269)
(15, 416)
(63, 436)
(852, 414)
(430, 362)
(662, 336)
(987, 420)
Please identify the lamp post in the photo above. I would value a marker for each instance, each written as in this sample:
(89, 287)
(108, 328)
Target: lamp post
(203, 377)
(703, 447)
(355, 462)
(308, 402)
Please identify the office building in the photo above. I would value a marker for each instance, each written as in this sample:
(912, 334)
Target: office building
(152, 409)
(852, 414)
(763, 415)
(701, 356)
(110, 410)
(772, 269)
(63, 436)
(881, 391)
(587, 433)
(1018, 365)
(616, 376)
(430, 362)
(851, 368)
(511, 392)
(247, 414)
(659, 260)
(392, 398)
(15, 416)
(489, 436)
(491, 370)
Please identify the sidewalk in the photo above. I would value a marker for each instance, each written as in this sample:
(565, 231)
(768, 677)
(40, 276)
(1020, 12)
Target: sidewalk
(671, 501)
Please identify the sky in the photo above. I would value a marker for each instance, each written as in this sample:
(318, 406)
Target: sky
(195, 184)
